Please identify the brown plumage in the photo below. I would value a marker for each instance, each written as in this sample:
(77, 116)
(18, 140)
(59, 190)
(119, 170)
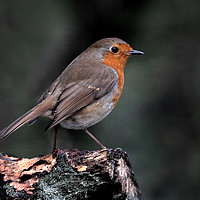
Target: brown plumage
(85, 92)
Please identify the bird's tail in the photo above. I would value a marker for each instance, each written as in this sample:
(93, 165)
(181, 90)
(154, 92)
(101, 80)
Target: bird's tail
(29, 116)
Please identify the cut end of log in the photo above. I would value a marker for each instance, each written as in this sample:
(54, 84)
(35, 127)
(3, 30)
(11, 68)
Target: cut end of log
(69, 174)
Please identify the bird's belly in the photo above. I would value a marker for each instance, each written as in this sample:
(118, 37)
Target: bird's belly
(91, 114)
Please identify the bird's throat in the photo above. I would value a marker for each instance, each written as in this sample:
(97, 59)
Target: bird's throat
(117, 63)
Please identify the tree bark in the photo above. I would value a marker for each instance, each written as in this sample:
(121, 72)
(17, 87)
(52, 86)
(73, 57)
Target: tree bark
(69, 174)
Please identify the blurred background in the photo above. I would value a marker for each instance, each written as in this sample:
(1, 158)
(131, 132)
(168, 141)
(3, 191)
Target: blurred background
(157, 120)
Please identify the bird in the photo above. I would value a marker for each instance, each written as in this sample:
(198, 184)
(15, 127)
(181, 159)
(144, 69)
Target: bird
(86, 91)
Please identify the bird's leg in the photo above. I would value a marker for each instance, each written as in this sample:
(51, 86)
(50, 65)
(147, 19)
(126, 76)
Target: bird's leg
(55, 136)
(95, 139)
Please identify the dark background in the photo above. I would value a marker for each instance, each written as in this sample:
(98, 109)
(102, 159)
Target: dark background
(157, 118)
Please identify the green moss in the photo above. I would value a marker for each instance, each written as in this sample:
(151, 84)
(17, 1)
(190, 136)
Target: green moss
(64, 182)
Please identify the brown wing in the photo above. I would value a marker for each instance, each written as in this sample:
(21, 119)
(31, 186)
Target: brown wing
(45, 95)
(50, 90)
(80, 94)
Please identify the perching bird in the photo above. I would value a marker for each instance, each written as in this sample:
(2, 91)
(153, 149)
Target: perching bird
(86, 91)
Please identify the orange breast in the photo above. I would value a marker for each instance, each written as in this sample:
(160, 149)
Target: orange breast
(117, 62)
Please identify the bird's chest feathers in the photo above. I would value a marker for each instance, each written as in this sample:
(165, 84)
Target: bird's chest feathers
(117, 62)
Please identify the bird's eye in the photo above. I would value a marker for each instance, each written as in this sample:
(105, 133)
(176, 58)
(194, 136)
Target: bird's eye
(114, 49)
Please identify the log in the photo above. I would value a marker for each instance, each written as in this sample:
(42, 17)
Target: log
(69, 174)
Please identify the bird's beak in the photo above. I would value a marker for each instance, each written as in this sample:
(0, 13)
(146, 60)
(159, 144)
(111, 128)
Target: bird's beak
(130, 53)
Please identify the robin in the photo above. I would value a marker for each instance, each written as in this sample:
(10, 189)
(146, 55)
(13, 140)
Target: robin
(86, 91)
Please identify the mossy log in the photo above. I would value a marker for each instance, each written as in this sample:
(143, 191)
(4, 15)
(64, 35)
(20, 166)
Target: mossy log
(69, 174)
